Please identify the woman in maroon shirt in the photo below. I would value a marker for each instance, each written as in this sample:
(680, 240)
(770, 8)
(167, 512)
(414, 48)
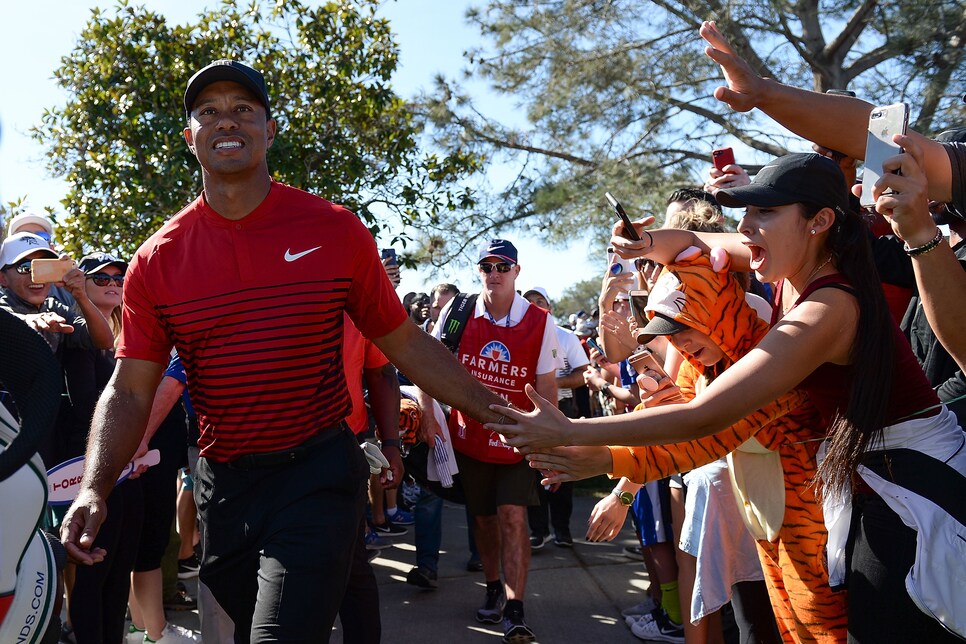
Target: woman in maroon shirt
(890, 447)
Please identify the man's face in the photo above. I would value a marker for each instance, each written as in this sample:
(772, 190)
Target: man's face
(495, 281)
(229, 132)
(440, 299)
(22, 285)
(419, 309)
(538, 300)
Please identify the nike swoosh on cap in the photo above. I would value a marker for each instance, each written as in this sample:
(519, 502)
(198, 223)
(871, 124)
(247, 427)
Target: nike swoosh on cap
(290, 257)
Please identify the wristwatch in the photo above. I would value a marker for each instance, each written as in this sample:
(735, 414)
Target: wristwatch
(626, 498)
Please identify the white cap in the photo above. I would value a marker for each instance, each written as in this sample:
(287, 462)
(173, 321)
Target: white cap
(537, 289)
(18, 246)
(29, 218)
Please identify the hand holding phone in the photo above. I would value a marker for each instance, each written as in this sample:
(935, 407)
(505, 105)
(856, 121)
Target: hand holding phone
(43, 271)
(629, 231)
(884, 122)
(390, 254)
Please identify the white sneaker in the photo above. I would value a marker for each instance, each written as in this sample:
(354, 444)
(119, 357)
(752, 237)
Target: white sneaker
(630, 620)
(174, 634)
(134, 635)
(658, 629)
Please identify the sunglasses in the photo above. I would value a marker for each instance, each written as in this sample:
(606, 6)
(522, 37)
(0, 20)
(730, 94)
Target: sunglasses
(43, 234)
(103, 279)
(23, 267)
(501, 267)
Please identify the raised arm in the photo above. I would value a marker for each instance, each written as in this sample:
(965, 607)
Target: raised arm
(940, 280)
(808, 114)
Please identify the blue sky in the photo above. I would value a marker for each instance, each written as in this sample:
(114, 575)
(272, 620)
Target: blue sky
(432, 35)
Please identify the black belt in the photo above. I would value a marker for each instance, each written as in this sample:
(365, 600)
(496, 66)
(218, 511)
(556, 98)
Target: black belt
(286, 456)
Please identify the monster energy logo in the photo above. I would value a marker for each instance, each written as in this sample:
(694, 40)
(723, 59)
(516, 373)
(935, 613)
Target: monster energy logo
(452, 326)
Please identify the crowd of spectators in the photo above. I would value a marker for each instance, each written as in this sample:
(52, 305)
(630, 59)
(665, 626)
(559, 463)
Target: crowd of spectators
(780, 401)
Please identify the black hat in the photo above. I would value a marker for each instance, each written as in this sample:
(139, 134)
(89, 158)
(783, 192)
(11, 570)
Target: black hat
(499, 248)
(660, 324)
(794, 178)
(98, 261)
(225, 70)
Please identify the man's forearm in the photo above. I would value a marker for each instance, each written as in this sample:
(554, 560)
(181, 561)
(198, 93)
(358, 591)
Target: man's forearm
(942, 285)
(430, 365)
(841, 123)
(116, 432)
(836, 122)
(572, 380)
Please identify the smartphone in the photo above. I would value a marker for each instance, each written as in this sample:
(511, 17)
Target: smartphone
(593, 345)
(645, 361)
(638, 306)
(884, 122)
(629, 231)
(722, 158)
(617, 265)
(49, 270)
(389, 253)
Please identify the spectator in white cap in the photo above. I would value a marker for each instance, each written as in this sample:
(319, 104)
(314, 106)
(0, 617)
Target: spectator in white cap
(40, 225)
(31, 222)
(32, 302)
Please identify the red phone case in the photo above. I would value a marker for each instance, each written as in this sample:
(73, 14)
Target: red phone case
(722, 158)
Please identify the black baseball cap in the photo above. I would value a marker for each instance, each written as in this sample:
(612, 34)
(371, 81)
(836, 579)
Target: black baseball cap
(226, 70)
(794, 178)
(660, 324)
(99, 261)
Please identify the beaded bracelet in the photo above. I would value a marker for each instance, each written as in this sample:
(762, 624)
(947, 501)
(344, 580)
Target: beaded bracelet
(925, 248)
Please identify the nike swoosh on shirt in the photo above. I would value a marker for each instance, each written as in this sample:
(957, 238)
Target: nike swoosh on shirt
(290, 257)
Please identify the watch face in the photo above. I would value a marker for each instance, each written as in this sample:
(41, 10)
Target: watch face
(626, 498)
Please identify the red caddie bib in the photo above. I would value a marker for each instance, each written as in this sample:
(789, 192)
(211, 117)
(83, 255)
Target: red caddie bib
(504, 359)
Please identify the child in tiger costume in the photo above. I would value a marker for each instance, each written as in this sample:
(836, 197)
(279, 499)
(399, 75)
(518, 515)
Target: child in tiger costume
(788, 526)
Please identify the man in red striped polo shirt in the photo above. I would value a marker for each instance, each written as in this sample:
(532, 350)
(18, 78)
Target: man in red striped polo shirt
(250, 282)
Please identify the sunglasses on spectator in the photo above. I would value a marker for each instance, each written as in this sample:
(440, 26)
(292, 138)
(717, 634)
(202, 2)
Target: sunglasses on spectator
(43, 234)
(103, 279)
(23, 267)
(501, 267)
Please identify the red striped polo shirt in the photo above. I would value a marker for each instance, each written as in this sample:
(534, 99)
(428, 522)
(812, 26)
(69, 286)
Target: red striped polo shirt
(255, 309)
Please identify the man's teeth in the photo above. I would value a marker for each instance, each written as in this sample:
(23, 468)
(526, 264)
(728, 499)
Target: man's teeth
(227, 144)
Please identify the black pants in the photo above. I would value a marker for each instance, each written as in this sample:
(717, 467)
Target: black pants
(100, 593)
(559, 505)
(359, 613)
(753, 613)
(880, 609)
(279, 541)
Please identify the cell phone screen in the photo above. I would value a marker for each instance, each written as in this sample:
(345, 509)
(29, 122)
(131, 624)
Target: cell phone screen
(593, 344)
(638, 305)
(629, 231)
